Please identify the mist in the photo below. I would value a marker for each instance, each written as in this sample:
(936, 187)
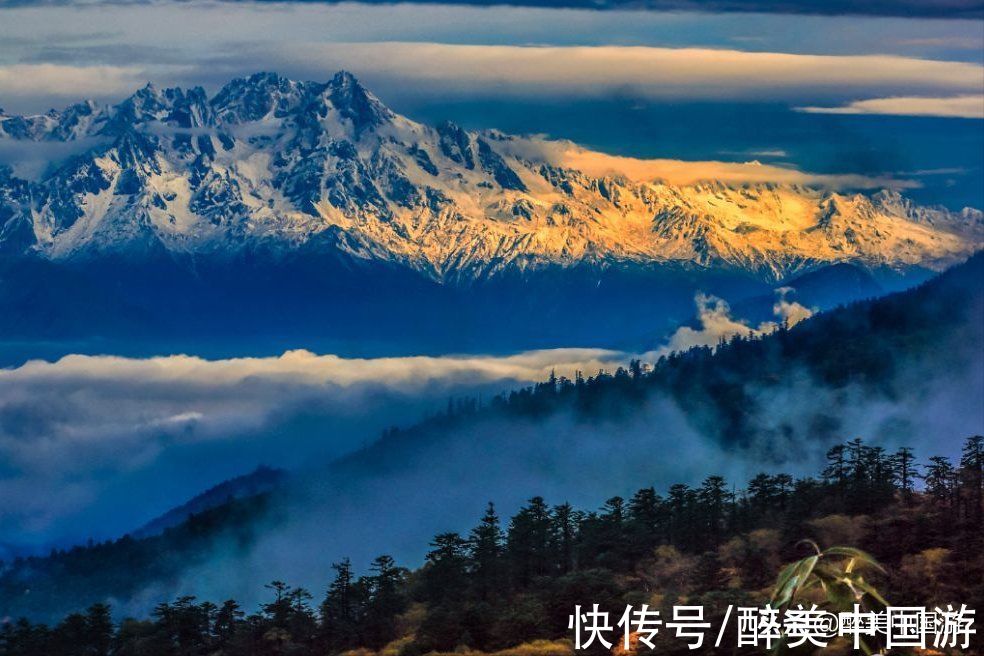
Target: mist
(116, 441)
(394, 503)
(122, 440)
(395, 497)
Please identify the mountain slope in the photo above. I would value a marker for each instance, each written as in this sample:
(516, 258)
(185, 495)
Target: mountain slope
(259, 481)
(279, 214)
(900, 371)
(826, 288)
(889, 348)
(270, 162)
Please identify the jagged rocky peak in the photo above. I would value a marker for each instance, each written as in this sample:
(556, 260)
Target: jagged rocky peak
(892, 199)
(356, 103)
(54, 125)
(172, 106)
(259, 96)
(282, 163)
(149, 104)
(265, 96)
(456, 144)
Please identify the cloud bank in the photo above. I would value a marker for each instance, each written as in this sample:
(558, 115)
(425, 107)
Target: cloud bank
(84, 425)
(650, 72)
(682, 172)
(459, 70)
(67, 81)
(971, 106)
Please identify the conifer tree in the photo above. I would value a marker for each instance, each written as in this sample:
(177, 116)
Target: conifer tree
(99, 630)
(904, 467)
(645, 520)
(387, 599)
(563, 536)
(939, 480)
(528, 543)
(445, 575)
(972, 475)
(226, 619)
(341, 610)
(485, 549)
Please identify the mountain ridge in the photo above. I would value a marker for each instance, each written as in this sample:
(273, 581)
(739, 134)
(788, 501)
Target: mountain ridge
(269, 163)
(261, 480)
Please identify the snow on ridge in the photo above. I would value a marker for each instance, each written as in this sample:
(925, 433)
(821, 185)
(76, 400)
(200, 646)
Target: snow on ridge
(274, 160)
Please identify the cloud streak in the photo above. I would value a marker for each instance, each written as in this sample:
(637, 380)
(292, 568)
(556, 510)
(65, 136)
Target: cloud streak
(459, 70)
(651, 72)
(304, 367)
(683, 172)
(969, 106)
(67, 81)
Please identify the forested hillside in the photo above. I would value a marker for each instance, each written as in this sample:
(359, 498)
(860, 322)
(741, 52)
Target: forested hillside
(511, 586)
(884, 348)
(887, 349)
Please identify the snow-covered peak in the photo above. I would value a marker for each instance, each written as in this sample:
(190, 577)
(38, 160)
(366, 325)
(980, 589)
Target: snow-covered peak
(258, 97)
(74, 122)
(278, 163)
(356, 103)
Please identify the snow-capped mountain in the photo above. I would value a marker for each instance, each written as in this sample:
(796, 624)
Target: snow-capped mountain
(279, 165)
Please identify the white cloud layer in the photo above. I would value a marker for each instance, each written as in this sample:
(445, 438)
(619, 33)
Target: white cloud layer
(968, 106)
(652, 72)
(717, 324)
(84, 424)
(686, 172)
(68, 82)
(460, 70)
(74, 427)
(304, 367)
